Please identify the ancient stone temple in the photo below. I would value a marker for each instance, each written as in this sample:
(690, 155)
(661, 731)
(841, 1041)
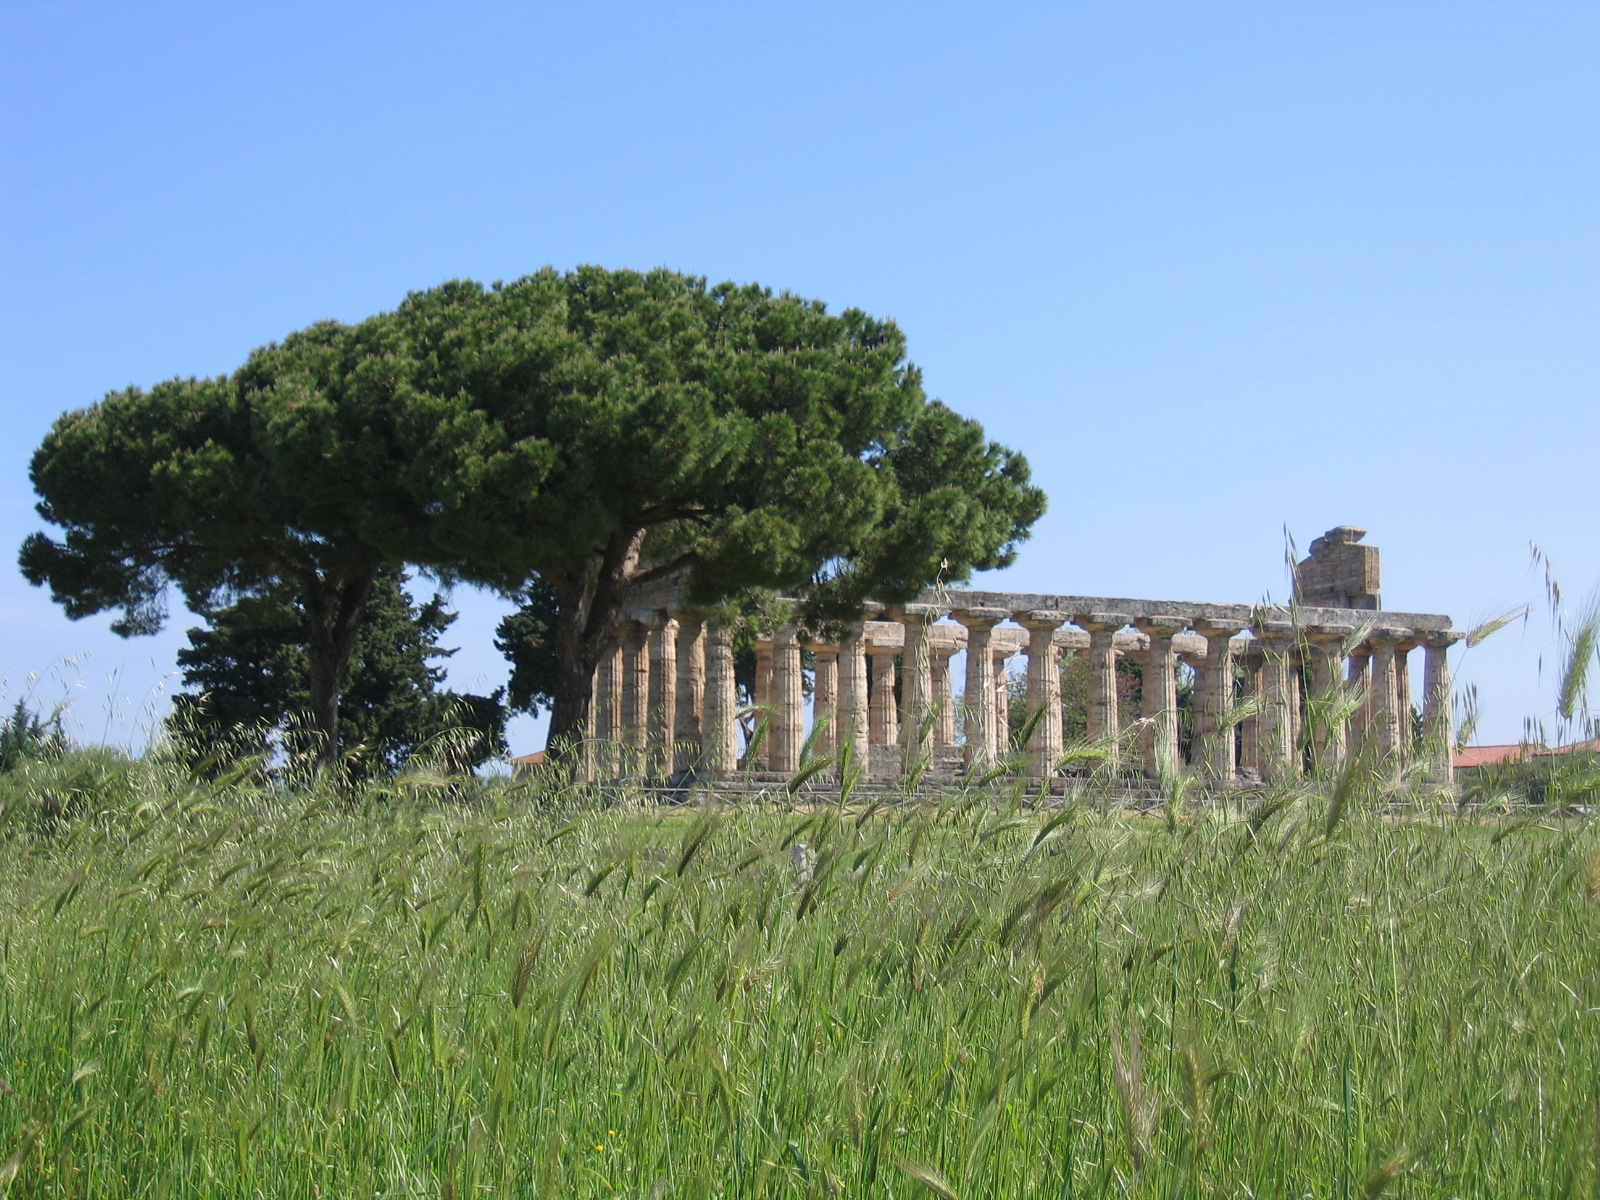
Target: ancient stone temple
(962, 681)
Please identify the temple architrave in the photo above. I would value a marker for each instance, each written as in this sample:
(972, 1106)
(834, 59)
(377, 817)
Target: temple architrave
(1271, 692)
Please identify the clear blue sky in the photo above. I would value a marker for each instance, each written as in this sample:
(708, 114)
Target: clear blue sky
(1217, 269)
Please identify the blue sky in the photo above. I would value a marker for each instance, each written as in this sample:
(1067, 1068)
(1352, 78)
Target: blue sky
(1218, 269)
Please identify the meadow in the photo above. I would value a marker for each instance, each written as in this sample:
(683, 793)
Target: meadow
(429, 988)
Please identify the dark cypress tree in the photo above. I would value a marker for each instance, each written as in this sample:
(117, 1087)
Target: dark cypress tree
(248, 675)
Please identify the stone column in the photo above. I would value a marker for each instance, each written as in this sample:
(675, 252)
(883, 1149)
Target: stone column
(1402, 692)
(1214, 701)
(1044, 690)
(1275, 726)
(825, 700)
(761, 696)
(944, 699)
(690, 726)
(1001, 696)
(885, 715)
(1296, 699)
(786, 700)
(854, 713)
(609, 686)
(916, 721)
(720, 728)
(1358, 668)
(663, 693)
(1325, 667)
(635, 693)
(1158, 702)
(1438, 721)
(983, 737)
(606, 693)
(1250, 727)
(1383, 721)
(1103, 717)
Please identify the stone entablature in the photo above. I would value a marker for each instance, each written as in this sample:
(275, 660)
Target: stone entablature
(1273, 685)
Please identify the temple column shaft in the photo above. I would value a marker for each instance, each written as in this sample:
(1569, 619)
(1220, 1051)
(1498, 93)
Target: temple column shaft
(982, 734)
(720, 730)
(1402, 695)
(688, 729)
(1158, 703)
(825, 701)
(1275, 727)
(917, 718)
(1383, 721)
(944, 701)
(1104, 722)
(885, 724)
(606, 686)
(1325, 700)
(854, 711)
(1358, 669)
(1044, 691)
(786, 701)
(1214, 696)
(1001, 698)
(1438, 721)
(1250, 727)
(663, 693)
(635, 693)
(762, 696)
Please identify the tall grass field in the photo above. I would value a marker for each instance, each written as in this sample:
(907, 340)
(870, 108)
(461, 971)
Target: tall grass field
(223, 990)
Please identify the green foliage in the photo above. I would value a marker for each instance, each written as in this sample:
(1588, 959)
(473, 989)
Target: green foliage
(749, 436)
(590, 430)
(249, 673)
(527, 638)
(27, 736)
(1561, 780)
(311, 468)
(283, 996)
(43, 794)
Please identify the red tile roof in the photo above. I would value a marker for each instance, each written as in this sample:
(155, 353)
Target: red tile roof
(1491, 756)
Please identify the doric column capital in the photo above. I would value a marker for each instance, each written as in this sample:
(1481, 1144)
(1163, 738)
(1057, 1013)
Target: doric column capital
(1036, 620)
(916, 614)
(980, 618)
(1161, 626)
(1328, 634)
(1440, 639)
(1275, 633)
(1211, 630)
(1100, 622)
(1387, 638)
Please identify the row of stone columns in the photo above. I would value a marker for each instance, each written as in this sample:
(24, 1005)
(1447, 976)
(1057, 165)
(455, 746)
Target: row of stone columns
(666, 694)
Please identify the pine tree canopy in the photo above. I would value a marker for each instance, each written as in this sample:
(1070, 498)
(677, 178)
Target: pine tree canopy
(750, 438)
(312, 468)
(590, 430)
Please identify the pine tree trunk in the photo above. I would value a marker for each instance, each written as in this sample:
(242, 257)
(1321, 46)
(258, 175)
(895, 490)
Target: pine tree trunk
(587, 608)
(335, 612)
